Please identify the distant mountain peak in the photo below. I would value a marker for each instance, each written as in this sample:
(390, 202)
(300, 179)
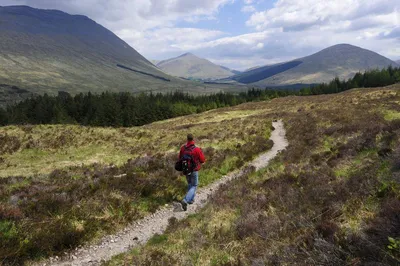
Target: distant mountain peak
(188, 55)
(341, 60)
(342, 45)
(191, 66)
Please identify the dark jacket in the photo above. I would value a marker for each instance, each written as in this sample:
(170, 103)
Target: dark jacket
(197, 154)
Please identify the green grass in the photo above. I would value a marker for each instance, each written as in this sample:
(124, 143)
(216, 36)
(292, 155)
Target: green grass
(49, 147)
(85, 182)
(332, 197)
(338, 173)
(391, 115)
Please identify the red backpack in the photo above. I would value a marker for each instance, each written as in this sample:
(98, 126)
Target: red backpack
(187, 164)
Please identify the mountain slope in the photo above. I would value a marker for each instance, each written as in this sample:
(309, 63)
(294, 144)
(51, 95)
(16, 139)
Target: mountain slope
(341, 61)
(236, 72)
(190, 66)
(155, 62)
(49, 50)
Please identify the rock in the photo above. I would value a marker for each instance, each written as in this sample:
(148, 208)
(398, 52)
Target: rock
(74, 257)
(14, 200)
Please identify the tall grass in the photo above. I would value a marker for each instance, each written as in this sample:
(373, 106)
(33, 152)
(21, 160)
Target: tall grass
(331, 198)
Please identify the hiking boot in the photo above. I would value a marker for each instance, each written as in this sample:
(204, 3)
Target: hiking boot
(190, 202)
(184, 205)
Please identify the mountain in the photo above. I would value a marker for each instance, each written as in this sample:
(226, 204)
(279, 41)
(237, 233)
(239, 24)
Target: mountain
(341, 61)
(251, 68)
(398, 62)
(155, 62)
(236, 72)
(45, 51)
(190, 66)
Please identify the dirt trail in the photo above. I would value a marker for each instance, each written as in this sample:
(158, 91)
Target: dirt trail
(141, 231)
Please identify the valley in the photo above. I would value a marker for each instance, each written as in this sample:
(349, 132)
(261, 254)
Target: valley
(302, 151)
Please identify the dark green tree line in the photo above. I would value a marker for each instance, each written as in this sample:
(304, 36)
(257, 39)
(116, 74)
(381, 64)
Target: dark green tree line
(126, 109)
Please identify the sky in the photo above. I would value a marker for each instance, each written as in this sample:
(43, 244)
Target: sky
(241, 34)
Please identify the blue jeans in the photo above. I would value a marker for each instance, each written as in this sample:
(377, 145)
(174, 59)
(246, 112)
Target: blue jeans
(193, 181)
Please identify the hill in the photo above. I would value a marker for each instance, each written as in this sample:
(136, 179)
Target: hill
(231, 70)
(49, 50)
(331, 198)
(334, 192)
(190, 66)
(58, 159)
(341, 61)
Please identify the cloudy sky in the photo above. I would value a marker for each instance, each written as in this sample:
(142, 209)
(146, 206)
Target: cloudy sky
(241, 33)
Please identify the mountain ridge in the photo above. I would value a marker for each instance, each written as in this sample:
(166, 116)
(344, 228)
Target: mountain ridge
(190, 66)
(341, 60)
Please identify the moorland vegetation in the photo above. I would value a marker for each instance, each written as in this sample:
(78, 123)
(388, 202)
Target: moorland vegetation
(62, 186)
(331, 198)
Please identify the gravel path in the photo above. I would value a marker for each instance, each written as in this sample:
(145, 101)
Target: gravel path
(141, 231)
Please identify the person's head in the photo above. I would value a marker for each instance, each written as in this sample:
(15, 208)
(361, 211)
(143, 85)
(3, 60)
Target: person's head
(190, 137)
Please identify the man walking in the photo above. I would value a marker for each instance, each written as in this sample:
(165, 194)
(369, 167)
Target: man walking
(191, 157)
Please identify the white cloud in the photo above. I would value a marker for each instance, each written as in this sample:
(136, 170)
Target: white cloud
(248, 9)
(161, 42)
(133, 14)
(293, 15)
(250, 39)
(288, 30)
(260, 45)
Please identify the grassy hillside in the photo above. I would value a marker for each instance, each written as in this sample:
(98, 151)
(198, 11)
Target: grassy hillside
(342, 61)
(332, 198)
(190, 66)
(257, 74)
(61, 186)
(45, 51)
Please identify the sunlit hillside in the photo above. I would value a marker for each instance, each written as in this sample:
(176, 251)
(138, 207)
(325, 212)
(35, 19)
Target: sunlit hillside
(331, 198)
(72, 178)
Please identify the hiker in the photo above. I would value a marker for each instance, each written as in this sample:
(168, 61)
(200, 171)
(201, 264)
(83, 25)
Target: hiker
(191, 158)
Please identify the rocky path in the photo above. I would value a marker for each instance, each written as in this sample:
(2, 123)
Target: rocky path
(141, 231)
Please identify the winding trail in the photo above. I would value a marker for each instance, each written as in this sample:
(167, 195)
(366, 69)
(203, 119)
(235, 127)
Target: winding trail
(142, 230)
